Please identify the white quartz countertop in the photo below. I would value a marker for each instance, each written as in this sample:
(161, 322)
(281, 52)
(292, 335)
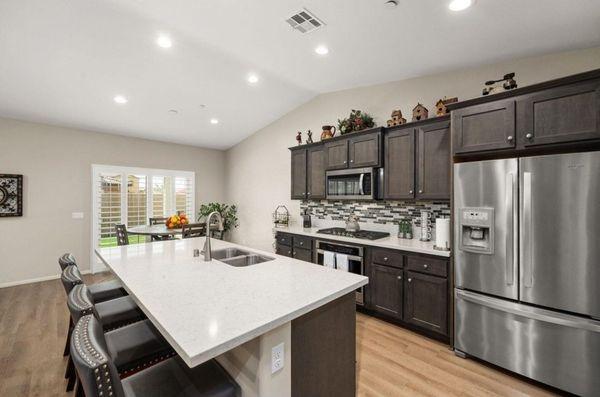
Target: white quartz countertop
(207, 308)
(392, 242)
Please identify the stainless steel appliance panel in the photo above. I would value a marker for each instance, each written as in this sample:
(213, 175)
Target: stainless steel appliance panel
(560, 232)
(490, 187)
(557, 349)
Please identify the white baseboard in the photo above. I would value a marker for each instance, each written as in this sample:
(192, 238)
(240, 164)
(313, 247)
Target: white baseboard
(34, 280)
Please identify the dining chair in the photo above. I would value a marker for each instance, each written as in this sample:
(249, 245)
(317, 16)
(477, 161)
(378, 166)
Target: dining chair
(122, 235)
(99, 376)
(157, 221)
(193, 230)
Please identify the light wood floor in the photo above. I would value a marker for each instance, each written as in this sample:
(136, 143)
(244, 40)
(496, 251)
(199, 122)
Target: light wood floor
(391, 360)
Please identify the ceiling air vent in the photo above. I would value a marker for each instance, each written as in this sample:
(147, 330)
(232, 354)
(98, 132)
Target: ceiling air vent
(304, 21)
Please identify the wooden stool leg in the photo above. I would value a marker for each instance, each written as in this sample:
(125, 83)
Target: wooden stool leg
(70, 368)
(79, 392)
(68, 342)
(72, 376)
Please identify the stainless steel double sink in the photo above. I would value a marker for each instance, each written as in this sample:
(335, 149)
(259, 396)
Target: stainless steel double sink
(239, 258)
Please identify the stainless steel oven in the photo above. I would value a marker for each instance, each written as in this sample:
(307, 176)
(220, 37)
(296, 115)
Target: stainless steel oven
(355, 184)
(355, 260)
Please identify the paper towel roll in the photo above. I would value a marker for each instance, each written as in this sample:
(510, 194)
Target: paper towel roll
(442, 233)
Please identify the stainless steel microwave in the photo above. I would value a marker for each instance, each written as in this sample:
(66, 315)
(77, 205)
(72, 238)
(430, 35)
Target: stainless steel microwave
(355, 184)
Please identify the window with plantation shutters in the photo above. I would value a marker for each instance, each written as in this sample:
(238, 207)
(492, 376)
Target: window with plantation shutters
(130, 196)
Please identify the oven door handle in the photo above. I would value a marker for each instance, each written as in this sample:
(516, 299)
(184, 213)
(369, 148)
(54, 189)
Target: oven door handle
(354, 258)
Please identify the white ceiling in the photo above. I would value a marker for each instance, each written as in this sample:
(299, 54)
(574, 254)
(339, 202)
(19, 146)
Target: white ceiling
(62, 61)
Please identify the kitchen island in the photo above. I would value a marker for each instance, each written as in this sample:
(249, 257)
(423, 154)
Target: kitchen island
(239, 314)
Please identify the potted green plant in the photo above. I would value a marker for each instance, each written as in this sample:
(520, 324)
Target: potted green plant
(228, 213)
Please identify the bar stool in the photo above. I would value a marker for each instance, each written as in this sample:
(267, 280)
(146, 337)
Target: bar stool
(99, 375)
(100, 291)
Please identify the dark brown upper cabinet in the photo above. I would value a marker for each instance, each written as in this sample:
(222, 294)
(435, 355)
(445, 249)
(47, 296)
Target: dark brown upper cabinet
(426, 301)
(337, 154)
(316, 173)
(386, 290)
(399, 160)
(299, 173)
(485, 127)
(364, 150)
(558, 115)
(433, 161)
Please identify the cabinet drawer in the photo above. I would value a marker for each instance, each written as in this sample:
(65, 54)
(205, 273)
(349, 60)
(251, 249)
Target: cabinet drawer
(387, 257)
(284, 250)
(302, 242)
(284, 239)
(303, 254)
(422, 264)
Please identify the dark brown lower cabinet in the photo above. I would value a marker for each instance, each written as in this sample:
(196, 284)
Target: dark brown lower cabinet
(283, 250)
(303, 254)
(426, 301)
(386, 290)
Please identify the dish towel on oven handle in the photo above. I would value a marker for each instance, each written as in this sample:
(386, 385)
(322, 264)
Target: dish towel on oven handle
(329, 259)
(342, 262)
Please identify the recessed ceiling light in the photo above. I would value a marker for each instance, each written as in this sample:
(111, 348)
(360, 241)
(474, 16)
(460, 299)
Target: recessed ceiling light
(214, 121)
(252, 78)
(164, 41)
(173, 112)
(459, 5)
(120, 99)
(322, 50)
(391, 4)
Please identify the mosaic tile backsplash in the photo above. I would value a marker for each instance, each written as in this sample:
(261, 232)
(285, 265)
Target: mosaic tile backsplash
(383, 212)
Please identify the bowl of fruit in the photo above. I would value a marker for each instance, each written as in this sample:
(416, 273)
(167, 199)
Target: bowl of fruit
(177, 221)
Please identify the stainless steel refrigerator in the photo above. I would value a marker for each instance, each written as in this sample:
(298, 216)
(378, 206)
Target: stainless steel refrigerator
(527, 266)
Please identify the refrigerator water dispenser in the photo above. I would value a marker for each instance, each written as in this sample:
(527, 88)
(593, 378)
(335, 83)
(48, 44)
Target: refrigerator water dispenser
(477, 230)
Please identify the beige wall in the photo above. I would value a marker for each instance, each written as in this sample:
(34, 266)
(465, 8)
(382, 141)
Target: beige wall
(258, 169)
(56, 164)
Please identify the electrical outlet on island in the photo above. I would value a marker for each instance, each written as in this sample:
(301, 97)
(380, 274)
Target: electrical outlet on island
(277, 358)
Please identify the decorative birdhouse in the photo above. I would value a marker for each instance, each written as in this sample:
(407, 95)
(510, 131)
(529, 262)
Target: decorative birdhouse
(440, 106)
(396, 119)
(420, 112)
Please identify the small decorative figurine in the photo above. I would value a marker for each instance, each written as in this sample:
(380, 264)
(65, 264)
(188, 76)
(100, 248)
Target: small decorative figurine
(326, 134)
(440, 106)
(508, 83)
(299, 138)
(396, 119)
(309, 139)
(420, 112)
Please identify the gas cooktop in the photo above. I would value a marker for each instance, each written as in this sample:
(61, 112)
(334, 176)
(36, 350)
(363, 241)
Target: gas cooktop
(363, 234)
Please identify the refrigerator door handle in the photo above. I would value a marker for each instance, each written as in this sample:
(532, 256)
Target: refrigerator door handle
(521, 310)
(511, 235)
(527, 233)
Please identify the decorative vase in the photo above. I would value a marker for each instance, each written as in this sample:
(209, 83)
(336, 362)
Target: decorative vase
(327, 133)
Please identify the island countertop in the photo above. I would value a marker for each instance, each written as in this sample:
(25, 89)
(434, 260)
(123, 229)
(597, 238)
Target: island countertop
(204, 309)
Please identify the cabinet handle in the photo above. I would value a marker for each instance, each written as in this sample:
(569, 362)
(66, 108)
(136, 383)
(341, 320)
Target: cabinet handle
(420, 191)
(308, 193)
(410, 192)
(425, 266)
(410, 280)
(352, 161)
(399, 277)
(344, 161)
(529, 136)
(289, 252)
(295, 253)
(301, 242)
(385, 259)
(509, 138)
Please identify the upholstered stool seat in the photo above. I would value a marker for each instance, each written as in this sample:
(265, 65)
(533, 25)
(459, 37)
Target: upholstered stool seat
(173, 377)
(111, 314)
(106, 290)
(100, 292)
(136, 345)
(99, 376)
